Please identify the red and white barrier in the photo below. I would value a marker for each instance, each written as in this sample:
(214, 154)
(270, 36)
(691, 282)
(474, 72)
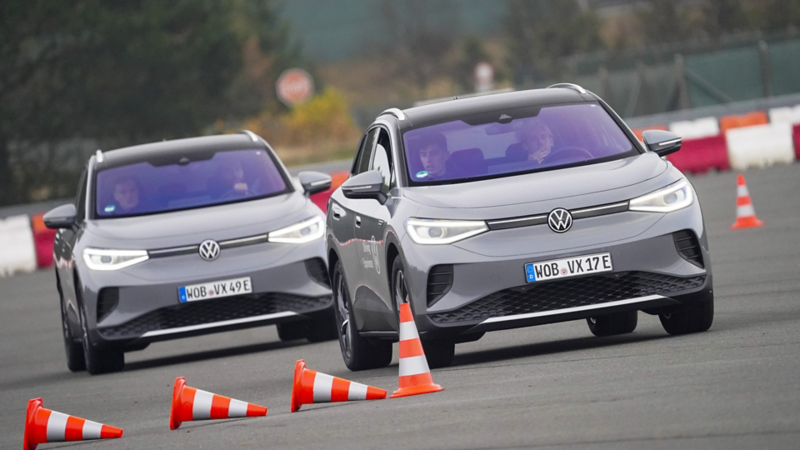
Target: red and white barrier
(701, 155)
(17, 252)
(760, 145)
(786, 114)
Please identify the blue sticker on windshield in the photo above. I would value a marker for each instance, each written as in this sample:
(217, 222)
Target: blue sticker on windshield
(110, 208)
(422, 174)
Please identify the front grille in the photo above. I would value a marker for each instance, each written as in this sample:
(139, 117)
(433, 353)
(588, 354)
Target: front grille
(216, 310)
(318, 271)
(107, 300)
(440, 278)
(688, 247)
(556, 295)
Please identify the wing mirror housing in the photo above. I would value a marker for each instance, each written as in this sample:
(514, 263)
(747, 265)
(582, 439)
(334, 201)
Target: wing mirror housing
(365, 185)
(314, 182)
(662, 142)
(60, 217)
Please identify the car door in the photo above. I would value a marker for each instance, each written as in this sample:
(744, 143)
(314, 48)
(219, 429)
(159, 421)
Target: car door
(371, 218)
(63, 249)
(342, 217)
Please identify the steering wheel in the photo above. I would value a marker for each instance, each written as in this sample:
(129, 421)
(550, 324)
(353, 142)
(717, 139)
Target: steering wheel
(577, 153)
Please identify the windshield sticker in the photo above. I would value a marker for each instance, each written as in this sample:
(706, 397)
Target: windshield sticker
(110, 208)
(422, 174)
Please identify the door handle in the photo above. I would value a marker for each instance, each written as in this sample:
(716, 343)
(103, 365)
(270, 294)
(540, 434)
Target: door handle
(380, 222)
(358, 221)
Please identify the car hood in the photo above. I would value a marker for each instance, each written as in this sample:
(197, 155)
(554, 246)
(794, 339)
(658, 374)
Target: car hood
(542, 186)
(193, 226)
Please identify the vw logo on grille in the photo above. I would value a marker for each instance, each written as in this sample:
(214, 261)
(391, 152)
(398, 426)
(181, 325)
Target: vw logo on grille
(560, 220)
(209, 250)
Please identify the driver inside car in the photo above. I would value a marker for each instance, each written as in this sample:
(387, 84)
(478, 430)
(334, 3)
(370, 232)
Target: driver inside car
(233, 182)
(537, 140)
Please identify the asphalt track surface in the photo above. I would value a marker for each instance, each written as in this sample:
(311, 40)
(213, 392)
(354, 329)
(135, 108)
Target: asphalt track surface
(554, 386)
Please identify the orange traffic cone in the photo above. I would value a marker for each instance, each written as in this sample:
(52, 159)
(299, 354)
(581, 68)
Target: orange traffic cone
(311, 386)
(43, 426)
(745, 213)
(190, 404)
(415, 376)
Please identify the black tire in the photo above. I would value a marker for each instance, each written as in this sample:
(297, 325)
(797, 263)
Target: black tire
(696, 317)
(358, 353)
(72, 347)
(322, 329)
(612, 324)
(291, 331)
(438, 353)
(99, 361)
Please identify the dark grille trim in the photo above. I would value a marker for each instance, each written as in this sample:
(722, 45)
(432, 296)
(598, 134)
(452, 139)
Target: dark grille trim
(541, 219)
(568, 293)
(440, 279)
(215, 310)
(318, 271)
(107, 301)
(189, 249)
(688, 247)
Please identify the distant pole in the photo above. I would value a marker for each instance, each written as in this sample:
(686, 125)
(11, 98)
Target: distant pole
(763, 53)
(684, 101)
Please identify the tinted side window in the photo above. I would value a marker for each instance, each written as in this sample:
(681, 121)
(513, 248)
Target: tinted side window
(80, 200)
(382, 161)
(362, 159)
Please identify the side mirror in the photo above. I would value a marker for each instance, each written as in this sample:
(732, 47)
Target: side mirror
(60, 217)
(365, 185)
(314, 182)
(662, 142)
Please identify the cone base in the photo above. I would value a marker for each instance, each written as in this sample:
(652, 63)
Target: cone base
(175, 414)
(28, 440)
(750, 222)
(416, 390)
(299, 368)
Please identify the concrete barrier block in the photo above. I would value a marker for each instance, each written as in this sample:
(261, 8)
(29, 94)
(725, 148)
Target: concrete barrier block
(17, 250)
(760, 145)
(786, 114)
(696, 129)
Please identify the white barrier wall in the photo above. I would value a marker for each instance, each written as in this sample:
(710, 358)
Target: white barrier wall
(786, 114)
(696, 129)
(760, 145)
(17, 250)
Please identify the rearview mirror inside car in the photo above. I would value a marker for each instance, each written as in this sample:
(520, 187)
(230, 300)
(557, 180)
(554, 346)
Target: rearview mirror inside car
(60, 217)
(314, 182)
(662, 142)
(365, 185)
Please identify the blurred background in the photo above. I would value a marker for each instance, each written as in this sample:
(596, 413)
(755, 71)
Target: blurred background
(87, 74)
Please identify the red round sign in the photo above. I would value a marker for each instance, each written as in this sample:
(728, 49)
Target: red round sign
(294, 86)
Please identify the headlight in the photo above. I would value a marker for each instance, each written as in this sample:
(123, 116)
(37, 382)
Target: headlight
(102, 259)
(671, 198)
(299, 233)
(433, 232)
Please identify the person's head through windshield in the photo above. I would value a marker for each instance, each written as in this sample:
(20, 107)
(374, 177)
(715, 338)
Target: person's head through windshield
(434, 155)
(127, 194)
(537, 139)
(232, 176)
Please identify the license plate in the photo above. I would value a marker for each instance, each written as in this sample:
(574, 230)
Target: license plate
(215, 289)
(568, 267)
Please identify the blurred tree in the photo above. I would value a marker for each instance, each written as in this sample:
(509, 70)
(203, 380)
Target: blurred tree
(542, 31)
(720, 17)
(663, 21)
(124, 72)
(776, 15)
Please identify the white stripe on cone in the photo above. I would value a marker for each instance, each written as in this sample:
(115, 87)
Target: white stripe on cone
(91, 430)
(741, 191)
(57, 426)
(357, 391)
(413, 365)
(745, 211)
(201, 408)
(237, 408)
(408, 331)
(323, 384)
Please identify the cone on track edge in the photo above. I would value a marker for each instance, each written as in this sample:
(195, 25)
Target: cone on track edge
(190, 404)
(43, 425)
(415, 376)
(311, 386)
(745, 213)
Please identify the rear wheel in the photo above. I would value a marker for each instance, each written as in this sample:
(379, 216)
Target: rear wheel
(99, 361)
(358, 353)
(612, 324)
(438, 353)
(696, 317)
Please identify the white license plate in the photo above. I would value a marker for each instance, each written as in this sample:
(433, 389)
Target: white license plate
(215, 289)
(568, 267)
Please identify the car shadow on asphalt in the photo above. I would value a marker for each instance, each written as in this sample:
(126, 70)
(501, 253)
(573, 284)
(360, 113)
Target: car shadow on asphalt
(210, 354)
(547, 348)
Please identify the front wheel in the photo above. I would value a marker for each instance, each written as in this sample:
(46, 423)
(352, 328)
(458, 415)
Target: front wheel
(99, 361)
(358, 353)
(73, 349)
(696, 317)
(612, 324)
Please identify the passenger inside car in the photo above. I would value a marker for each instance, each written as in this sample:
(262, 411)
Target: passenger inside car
(433, 155)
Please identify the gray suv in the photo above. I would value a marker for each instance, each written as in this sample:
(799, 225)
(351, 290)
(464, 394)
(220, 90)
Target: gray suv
(186, 237)
(512, 210)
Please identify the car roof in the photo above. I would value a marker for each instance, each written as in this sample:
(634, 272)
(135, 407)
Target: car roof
(460, 107)
(178, 148)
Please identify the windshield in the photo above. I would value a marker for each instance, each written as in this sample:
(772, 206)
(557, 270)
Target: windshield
(162, 186)
(512, 142)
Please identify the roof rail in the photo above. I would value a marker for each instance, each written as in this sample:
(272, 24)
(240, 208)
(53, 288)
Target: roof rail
(572, 86)
(394, 112)
(249, 133)
(98, 156)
